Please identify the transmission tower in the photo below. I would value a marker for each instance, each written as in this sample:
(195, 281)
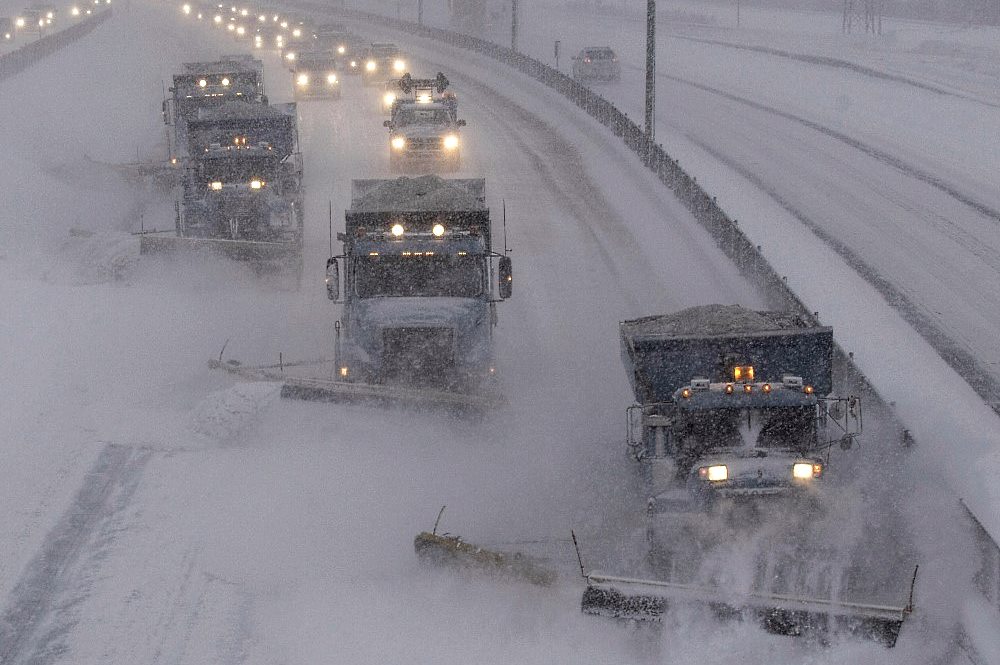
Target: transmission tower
(867, 13)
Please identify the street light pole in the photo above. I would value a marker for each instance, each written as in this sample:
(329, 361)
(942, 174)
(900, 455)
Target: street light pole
(650, 65)
(513, 25)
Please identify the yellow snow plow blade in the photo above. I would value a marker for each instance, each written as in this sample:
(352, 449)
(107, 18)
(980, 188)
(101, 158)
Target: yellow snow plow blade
(453, 551)
(647, 600)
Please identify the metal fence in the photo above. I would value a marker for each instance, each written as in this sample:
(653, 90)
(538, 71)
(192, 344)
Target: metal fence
(20, 59)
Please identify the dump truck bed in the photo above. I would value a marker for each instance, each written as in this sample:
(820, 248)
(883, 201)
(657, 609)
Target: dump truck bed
(663, 353)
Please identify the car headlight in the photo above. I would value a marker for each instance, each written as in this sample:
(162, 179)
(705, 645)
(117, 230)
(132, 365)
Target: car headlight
(399, 65)
(240, 30)
(354, 63)
(290, 55)
(397, 230)
(370, 65)
(341, 50)
(450, 142)
(715, 473)
(296, 33)
(398, 143)
(225, 82)
(185, 8)
(806, 470)
(331, 78)
(256, 184)
(216, 186)
(303, 79)
(388, 99)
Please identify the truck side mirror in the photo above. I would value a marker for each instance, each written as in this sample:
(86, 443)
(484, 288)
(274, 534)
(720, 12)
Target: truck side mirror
(460, 123)
(332, 280)
(506, 277)
(387, 123)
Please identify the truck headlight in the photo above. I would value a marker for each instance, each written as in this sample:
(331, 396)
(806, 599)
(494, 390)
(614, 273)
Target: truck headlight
(331, 78)
(399, 65)
(370, 65)
(715, 473)
(806, 470)
(388, 99)
(303, 79)
(398, 142)
(450, 142)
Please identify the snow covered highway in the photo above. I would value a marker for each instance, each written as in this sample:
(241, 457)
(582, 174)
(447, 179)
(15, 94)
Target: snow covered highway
(159, 512)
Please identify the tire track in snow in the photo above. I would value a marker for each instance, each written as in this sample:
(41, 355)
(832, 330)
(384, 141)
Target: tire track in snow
(986, 210)
(566, 179)
(105, 491)
(837, 63)
(958, 358)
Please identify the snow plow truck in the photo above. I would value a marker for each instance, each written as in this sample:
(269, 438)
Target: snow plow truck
(733, 418)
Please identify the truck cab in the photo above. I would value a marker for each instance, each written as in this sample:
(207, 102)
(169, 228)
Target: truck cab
(418, 275)
(242, 188)
(733, 403)
(209, 85)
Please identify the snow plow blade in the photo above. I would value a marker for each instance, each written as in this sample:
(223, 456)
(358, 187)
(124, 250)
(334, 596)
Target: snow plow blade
(239, 250)
(443, 550)
(648, 600)
(318, 389)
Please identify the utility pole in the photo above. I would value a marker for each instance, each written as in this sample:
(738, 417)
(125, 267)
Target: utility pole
(650, 65)
(513, 25)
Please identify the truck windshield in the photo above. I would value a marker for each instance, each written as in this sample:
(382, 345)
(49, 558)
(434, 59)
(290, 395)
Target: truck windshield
(422, 117)
(239, 169)
(437, 275)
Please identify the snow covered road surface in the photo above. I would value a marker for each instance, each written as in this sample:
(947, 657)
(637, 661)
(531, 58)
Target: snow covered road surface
(265, 531)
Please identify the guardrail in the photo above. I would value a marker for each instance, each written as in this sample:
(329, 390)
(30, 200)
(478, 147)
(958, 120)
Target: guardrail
(21, 58)
(726, 232)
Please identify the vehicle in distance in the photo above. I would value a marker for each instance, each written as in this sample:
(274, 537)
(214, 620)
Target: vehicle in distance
(597, 63)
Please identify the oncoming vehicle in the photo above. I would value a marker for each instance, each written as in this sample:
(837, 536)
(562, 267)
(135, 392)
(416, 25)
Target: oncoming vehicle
(424, 135)
(382, 62)
(315, 75)
(596, 63)
(419, 273)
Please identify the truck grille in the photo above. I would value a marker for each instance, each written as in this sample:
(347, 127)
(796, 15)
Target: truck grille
(424, 144)
(419, 356)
